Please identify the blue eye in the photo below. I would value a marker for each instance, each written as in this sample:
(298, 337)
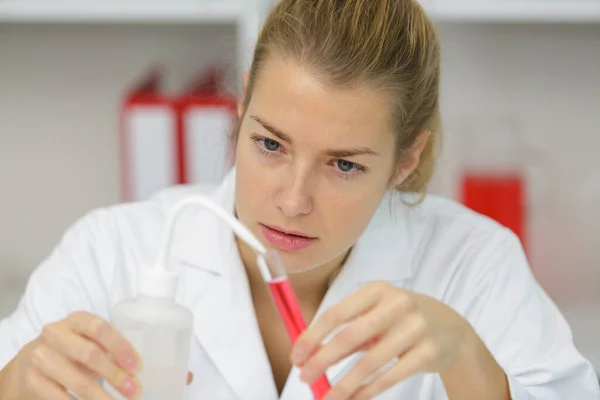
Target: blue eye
(271, 144)
(346, 166)
(266, 146)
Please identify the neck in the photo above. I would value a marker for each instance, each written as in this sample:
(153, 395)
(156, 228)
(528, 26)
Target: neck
(310, 286)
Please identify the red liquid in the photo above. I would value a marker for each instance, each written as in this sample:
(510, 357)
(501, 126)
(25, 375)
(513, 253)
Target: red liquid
(294, 322)
(500, 197)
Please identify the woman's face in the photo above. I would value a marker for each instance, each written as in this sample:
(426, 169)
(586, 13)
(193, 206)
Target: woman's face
(313, 164)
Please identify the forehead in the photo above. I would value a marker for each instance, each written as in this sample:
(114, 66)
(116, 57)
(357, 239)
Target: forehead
(296, 101)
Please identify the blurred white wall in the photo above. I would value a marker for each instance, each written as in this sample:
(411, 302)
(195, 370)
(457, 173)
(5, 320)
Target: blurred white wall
(60, 88)
(548, 78)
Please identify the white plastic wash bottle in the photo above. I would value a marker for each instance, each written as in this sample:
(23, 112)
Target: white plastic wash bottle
(156, 325)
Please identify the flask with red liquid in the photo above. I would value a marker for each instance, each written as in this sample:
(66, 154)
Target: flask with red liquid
(499, 195)
(493, 179)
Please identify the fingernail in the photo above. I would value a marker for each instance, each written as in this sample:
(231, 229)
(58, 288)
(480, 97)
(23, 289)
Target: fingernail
(129, 388)
(298, 356)
(307, 375)
(131, 363)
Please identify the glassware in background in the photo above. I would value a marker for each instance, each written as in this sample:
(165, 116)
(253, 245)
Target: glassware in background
(501, 196)
(493, 179)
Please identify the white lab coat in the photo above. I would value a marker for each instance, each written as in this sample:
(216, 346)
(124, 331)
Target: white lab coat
(439, 249)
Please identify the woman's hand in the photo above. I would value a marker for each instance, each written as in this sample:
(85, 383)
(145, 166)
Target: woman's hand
(74, 354)
(390, 324)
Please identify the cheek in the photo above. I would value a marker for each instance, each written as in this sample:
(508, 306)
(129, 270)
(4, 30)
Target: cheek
(243, 152)
(247, 164)
(250, 182)
(348, 215)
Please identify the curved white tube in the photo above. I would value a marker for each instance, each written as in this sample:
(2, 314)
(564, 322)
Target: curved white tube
(238, 228)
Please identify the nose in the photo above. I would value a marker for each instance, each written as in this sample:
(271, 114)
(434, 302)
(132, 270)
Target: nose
(294, 198)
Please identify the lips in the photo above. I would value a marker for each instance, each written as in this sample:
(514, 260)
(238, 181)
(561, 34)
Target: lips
(287, 240)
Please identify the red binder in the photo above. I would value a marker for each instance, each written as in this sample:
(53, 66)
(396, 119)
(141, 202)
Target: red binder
(150, 159)
(206, 120)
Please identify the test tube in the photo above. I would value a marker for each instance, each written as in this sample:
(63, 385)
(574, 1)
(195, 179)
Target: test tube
(275, 276)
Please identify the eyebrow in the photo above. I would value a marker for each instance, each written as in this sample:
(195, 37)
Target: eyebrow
(341, 153)
(276, 132)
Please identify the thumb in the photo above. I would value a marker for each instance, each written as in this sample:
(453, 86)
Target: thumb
(190, 378)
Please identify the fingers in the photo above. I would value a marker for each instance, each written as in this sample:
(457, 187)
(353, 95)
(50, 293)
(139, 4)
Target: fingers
(359, 333)
(108, 338)
(59, 369)
(190, 378)
(92, 359)
(45, 389)
(353, 306)
(398, 341)
(408, 365)
(95, 376)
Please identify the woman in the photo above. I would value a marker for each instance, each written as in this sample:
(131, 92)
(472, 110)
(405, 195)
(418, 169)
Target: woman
(337, 135)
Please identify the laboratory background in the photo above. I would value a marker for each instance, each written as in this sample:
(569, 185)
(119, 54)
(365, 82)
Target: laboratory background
(109, 101)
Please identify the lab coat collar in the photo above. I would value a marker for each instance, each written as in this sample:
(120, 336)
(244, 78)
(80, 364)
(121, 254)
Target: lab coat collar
(199, 234)
(216, 289)
(383, 250)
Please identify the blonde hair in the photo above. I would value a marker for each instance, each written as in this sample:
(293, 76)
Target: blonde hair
(389, 45)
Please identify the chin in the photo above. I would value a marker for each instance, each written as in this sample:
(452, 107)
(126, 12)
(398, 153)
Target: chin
(297, 263)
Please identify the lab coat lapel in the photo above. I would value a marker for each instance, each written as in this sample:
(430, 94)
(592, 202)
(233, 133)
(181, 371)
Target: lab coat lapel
(215, 288)
(382, 253)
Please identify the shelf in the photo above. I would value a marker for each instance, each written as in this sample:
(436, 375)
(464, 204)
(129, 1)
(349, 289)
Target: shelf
(133, 11)
(551, 11)
(222, 11)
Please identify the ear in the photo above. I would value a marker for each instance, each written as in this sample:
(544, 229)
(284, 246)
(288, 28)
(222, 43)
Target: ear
(411, 158)
(240, 105)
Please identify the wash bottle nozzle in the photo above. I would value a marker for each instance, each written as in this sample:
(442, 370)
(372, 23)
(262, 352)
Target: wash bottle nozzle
(160, 282)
